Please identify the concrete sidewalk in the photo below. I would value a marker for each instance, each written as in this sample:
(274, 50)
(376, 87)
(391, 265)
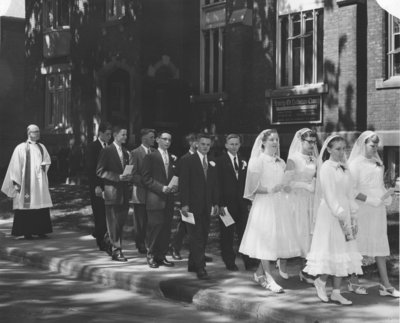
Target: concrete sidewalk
(74, 253)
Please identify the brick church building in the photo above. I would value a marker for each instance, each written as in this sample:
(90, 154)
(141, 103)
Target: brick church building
(207, 65)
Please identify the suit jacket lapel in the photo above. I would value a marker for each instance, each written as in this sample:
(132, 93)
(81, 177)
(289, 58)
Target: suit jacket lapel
(161, 162)
(230, 165)
(200, 166)
(116, 157)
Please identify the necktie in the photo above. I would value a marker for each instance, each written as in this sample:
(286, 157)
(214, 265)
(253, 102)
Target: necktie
(104, 145)
(205, 166)
(235, 163)
(166, 162)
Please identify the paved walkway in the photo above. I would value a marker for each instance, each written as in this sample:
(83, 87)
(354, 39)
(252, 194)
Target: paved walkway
(74, 253)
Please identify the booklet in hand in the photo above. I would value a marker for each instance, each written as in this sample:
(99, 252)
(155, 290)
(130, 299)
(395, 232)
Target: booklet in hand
(128, 170)
(174, 181)
(227, 218)
(189, 218)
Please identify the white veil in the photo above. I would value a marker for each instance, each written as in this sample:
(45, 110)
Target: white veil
(255, 167)
(359, 147)
(296, 145)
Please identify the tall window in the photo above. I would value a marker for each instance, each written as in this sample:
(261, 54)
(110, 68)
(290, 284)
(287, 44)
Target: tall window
(213, 20)
(300, 48)
(58, 100)
(393, 54)
(56, 14)
(115, 9)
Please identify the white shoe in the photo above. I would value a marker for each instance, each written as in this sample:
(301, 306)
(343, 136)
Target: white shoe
(268, 283)
(356, 288)
(338, 298)
(281, 273)
(305, 278)
(390, 291)
(321, 291)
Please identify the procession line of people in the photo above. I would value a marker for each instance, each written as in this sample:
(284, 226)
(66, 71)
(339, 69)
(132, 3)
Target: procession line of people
(323, 208)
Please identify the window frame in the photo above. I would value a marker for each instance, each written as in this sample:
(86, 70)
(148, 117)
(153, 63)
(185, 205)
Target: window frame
(289, 48)
(58, 19)
(391, 50)
(119, 10)
(209, 82)
(58, 115)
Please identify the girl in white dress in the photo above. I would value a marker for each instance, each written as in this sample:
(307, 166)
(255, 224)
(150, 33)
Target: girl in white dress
(301, 169)
(269, 232)
(367, 170)
(333, 249)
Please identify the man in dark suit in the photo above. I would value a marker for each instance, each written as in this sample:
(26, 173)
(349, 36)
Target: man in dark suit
(232, 170)
(139, 191)
(96, 184)
(198, 189)
(157, 171)
(110, 168)
(177, 239)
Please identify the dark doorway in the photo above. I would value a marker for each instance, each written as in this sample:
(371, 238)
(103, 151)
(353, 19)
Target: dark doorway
(118, 96)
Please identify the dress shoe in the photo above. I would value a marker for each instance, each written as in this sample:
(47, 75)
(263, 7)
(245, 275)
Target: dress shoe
(232, 267)
(338, 298)
(208, 259)
(118, 256)
(152, 263)
(175, 254)
(165, 262)
(28, 237)
(43, 236)
(202, 274)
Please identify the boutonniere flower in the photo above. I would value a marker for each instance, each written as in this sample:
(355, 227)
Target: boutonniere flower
(212, 163)
(174, 158)
(244, 164)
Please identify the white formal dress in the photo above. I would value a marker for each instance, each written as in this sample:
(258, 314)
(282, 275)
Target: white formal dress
(372, 239)
(269, 232)
(330, 253)
(302, 200)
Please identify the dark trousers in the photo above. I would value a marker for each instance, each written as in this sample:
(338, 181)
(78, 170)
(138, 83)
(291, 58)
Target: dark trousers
(99, 214)
(140, 224)
(158, 231)
(198, 235)
(227, 234)
(177, 239)
(116, 216)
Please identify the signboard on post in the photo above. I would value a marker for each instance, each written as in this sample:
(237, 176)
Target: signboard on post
(296, 109)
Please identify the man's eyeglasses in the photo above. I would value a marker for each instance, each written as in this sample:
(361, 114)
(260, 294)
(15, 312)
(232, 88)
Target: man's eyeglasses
(166, 139)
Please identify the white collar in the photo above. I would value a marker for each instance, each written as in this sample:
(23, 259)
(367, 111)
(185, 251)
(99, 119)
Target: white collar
(162, 152)
(118, 146)
(201, 156)
(102, 142)
(232, 157)
(146, 149)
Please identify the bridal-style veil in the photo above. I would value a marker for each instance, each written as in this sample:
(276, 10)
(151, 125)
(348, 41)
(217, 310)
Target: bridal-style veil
(296, 145)
(255, 166)
(359, 147)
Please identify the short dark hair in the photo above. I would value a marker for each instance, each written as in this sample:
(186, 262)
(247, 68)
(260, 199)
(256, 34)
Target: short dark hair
(268, 133)
(163, 131)
(231, 136)
(309, 133)
(190, 137)
(374, 138)
(104, 126)
(203, 135)
(146, 131)
(118, 128)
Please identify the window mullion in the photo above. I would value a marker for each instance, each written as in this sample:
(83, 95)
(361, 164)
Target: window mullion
(220, 59)
(315, 47)
(290, 52)
(302, 50)
(211, 67)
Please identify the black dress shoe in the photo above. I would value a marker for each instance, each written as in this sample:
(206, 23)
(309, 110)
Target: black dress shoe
(208, 259)
(202, 274)
(165, 262)
(175, 254)
(152, 263)
(28, 237)
(232, 267)
(118, 256)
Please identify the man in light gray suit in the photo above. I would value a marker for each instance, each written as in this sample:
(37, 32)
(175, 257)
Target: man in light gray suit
(139, 191)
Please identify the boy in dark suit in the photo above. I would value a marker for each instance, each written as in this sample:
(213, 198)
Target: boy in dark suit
(96, 183)
(232, 170)
(110, 168)
(139, 191)
(157, 171)
(198, 186)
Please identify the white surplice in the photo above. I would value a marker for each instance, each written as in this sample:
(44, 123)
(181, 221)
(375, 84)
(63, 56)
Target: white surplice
(39, 185)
